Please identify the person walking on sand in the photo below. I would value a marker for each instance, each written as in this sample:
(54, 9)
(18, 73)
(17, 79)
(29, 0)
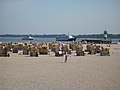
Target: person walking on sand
(66, 56)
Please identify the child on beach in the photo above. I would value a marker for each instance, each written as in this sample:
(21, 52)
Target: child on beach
(66, 56)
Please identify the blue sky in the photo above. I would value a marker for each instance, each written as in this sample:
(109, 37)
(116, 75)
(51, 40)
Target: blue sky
(59, 16)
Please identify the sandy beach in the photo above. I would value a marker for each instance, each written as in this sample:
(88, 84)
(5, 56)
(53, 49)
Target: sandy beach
(47, 72)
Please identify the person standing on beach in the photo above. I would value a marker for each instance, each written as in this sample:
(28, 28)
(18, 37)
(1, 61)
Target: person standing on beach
(66, 56)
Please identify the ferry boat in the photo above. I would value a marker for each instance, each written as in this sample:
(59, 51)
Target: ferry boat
(27, 38)
(66, 38)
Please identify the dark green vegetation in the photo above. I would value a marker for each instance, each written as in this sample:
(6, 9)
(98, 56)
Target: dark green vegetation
(55, 35)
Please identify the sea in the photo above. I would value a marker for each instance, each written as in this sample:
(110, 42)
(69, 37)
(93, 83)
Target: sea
(37, 40)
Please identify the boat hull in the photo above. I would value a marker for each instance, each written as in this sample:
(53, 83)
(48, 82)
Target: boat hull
(65, 39)
(26, 39)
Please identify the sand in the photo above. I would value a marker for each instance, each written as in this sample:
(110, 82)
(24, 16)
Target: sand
(47, 72)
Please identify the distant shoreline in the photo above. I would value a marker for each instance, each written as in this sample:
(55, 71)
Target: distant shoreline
(116, 36)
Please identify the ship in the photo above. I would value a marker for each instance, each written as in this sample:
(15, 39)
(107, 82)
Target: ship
(27, 38)
(66, 38)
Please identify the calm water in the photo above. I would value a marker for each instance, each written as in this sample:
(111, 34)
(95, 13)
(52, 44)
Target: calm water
(19, 39)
